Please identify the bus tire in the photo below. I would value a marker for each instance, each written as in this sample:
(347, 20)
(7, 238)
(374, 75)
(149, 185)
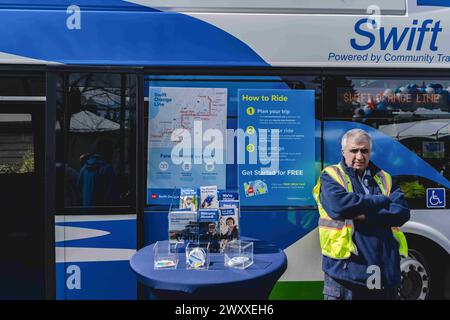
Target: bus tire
(416, 275)
(423, 271)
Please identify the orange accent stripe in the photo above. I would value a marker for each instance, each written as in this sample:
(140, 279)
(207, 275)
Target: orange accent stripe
(338, 173)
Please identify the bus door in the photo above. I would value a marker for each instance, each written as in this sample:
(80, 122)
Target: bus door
(22, 262)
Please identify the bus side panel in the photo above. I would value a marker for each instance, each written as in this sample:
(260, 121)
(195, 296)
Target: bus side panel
(112, 280)
(60, 280)
(92, 257)
(131, 34)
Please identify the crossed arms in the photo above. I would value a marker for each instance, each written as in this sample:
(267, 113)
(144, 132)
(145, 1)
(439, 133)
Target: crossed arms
(379, 210)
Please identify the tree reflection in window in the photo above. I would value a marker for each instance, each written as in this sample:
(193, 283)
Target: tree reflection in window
(96, 139)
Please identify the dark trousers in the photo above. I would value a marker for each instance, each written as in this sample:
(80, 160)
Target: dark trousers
(334, 289)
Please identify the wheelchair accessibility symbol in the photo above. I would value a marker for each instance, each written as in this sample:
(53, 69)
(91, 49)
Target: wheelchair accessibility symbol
(436, 198)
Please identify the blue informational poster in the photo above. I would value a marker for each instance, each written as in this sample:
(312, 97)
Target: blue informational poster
(276, 158)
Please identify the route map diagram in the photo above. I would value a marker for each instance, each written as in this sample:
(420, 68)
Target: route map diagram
(178, 108)
(172, 108)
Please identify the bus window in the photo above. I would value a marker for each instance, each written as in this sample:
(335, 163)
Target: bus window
(16, 143)
(409, 120)
(27, 85)
(95, 140)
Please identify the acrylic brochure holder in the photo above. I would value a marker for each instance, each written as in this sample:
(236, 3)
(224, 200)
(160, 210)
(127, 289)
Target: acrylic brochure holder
(189, 230)
(197, 255)
(171, 200)
(165, 255)
(238, 254)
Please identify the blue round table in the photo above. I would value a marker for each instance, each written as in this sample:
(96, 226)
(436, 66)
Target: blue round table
(218, 282)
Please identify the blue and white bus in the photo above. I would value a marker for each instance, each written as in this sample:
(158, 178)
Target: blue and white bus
(82, 84)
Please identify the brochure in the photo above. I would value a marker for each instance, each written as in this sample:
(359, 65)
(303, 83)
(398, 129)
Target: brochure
(229, 225)
(208, 221)
(188, 199)
(183, 226)
(227, 195)
(208, 197)
(230, 204)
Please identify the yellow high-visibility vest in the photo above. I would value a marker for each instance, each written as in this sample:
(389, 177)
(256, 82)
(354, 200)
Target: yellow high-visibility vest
(336, 235)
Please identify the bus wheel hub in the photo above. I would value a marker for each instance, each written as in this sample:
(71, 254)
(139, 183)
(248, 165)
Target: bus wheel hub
(415, 280)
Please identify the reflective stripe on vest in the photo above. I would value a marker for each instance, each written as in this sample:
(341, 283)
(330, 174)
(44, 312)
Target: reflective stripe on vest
(339, 244)
(384, 181)
(330, 223)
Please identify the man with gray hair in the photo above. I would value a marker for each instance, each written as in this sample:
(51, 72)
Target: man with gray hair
(360, 215)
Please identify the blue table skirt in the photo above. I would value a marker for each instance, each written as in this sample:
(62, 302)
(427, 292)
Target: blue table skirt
(218, 282)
